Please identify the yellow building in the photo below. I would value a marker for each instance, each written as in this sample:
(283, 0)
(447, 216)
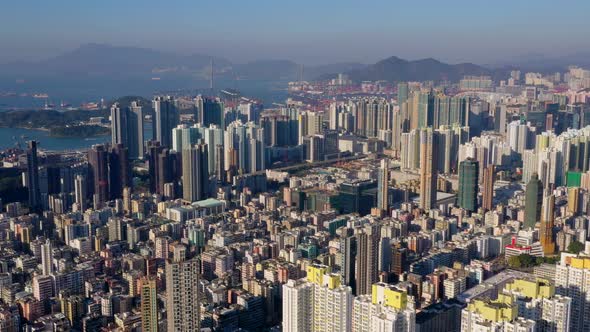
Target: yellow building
(389, 296)
(149, 305)
(501, 310)
(539, 288)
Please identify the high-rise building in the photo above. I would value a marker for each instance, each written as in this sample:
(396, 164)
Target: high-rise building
(399, 261)
(80, 192)
(522, 305)
(244, 147)
(367, 258)
(347, 257)
(297, 306)
(219, 164)
(135, 135)
(119, 170)
(386, 309)
(119, 128)
(547, 223)
(402, 93)
(163, 167)
(149, 305)
(99, 173)
(33, 176)
(195, 172)
(488, 188)
(494, 315)
(182, 292)
(127, 128)
(468, 184)
(47, 257)
(42, 287)
(314, 148)
(383, 186)
(319, 303)
(533, 201)
(210, 111)
(166, 118)
(428, 173)
(425, 109)
(572, 279)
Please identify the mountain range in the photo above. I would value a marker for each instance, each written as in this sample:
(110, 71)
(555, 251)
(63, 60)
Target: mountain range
(394, 69)
(122, 63)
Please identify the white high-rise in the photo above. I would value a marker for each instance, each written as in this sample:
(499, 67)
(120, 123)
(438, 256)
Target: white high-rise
(387, 309)
(572, 279)
(80, 192)
(297, 305)
(47, 257)
(319, 303)
(182, 295)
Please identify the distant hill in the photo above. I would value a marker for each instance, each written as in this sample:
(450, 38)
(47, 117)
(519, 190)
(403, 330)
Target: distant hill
(102, 60)
(122, 62)
(395, 69)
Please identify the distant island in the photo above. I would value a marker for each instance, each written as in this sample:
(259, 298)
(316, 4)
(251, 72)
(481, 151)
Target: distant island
(74, 123)
(79, 131)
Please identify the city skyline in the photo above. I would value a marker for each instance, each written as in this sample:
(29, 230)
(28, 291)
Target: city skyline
(147, 187)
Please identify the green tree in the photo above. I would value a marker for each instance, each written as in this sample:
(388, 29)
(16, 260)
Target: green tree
(575, 247)
(526, 260)
(514, 262)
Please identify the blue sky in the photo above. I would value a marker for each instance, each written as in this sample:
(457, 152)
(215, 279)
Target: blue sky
(320, 31)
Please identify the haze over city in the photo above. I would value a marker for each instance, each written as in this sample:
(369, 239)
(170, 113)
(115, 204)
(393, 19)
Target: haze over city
(310, 32)
(295, 166)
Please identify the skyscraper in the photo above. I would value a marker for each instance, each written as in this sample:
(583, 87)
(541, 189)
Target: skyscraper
(195, 172)
(166, 118)
(320, 303)
(428, 174)
(402, 93)
(99, 172)
(119, 124)
(347, 257)
(47, 257)
(135, 135)
(425, 109)
(547, 223)
(119, 170)
(33, 176)
(149, 305)
(297, 306)
(572, 279)
(80, 192)
(533, 201)
(367, 258)
(386, 309)
(219, 164)
(163, 166)
(182, 292)
(468, 184)
(488, 188)
(211, 111)
(127, 128)
(382, 186)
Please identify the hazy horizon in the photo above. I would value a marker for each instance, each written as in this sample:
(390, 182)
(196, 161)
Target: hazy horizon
(304, 31)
